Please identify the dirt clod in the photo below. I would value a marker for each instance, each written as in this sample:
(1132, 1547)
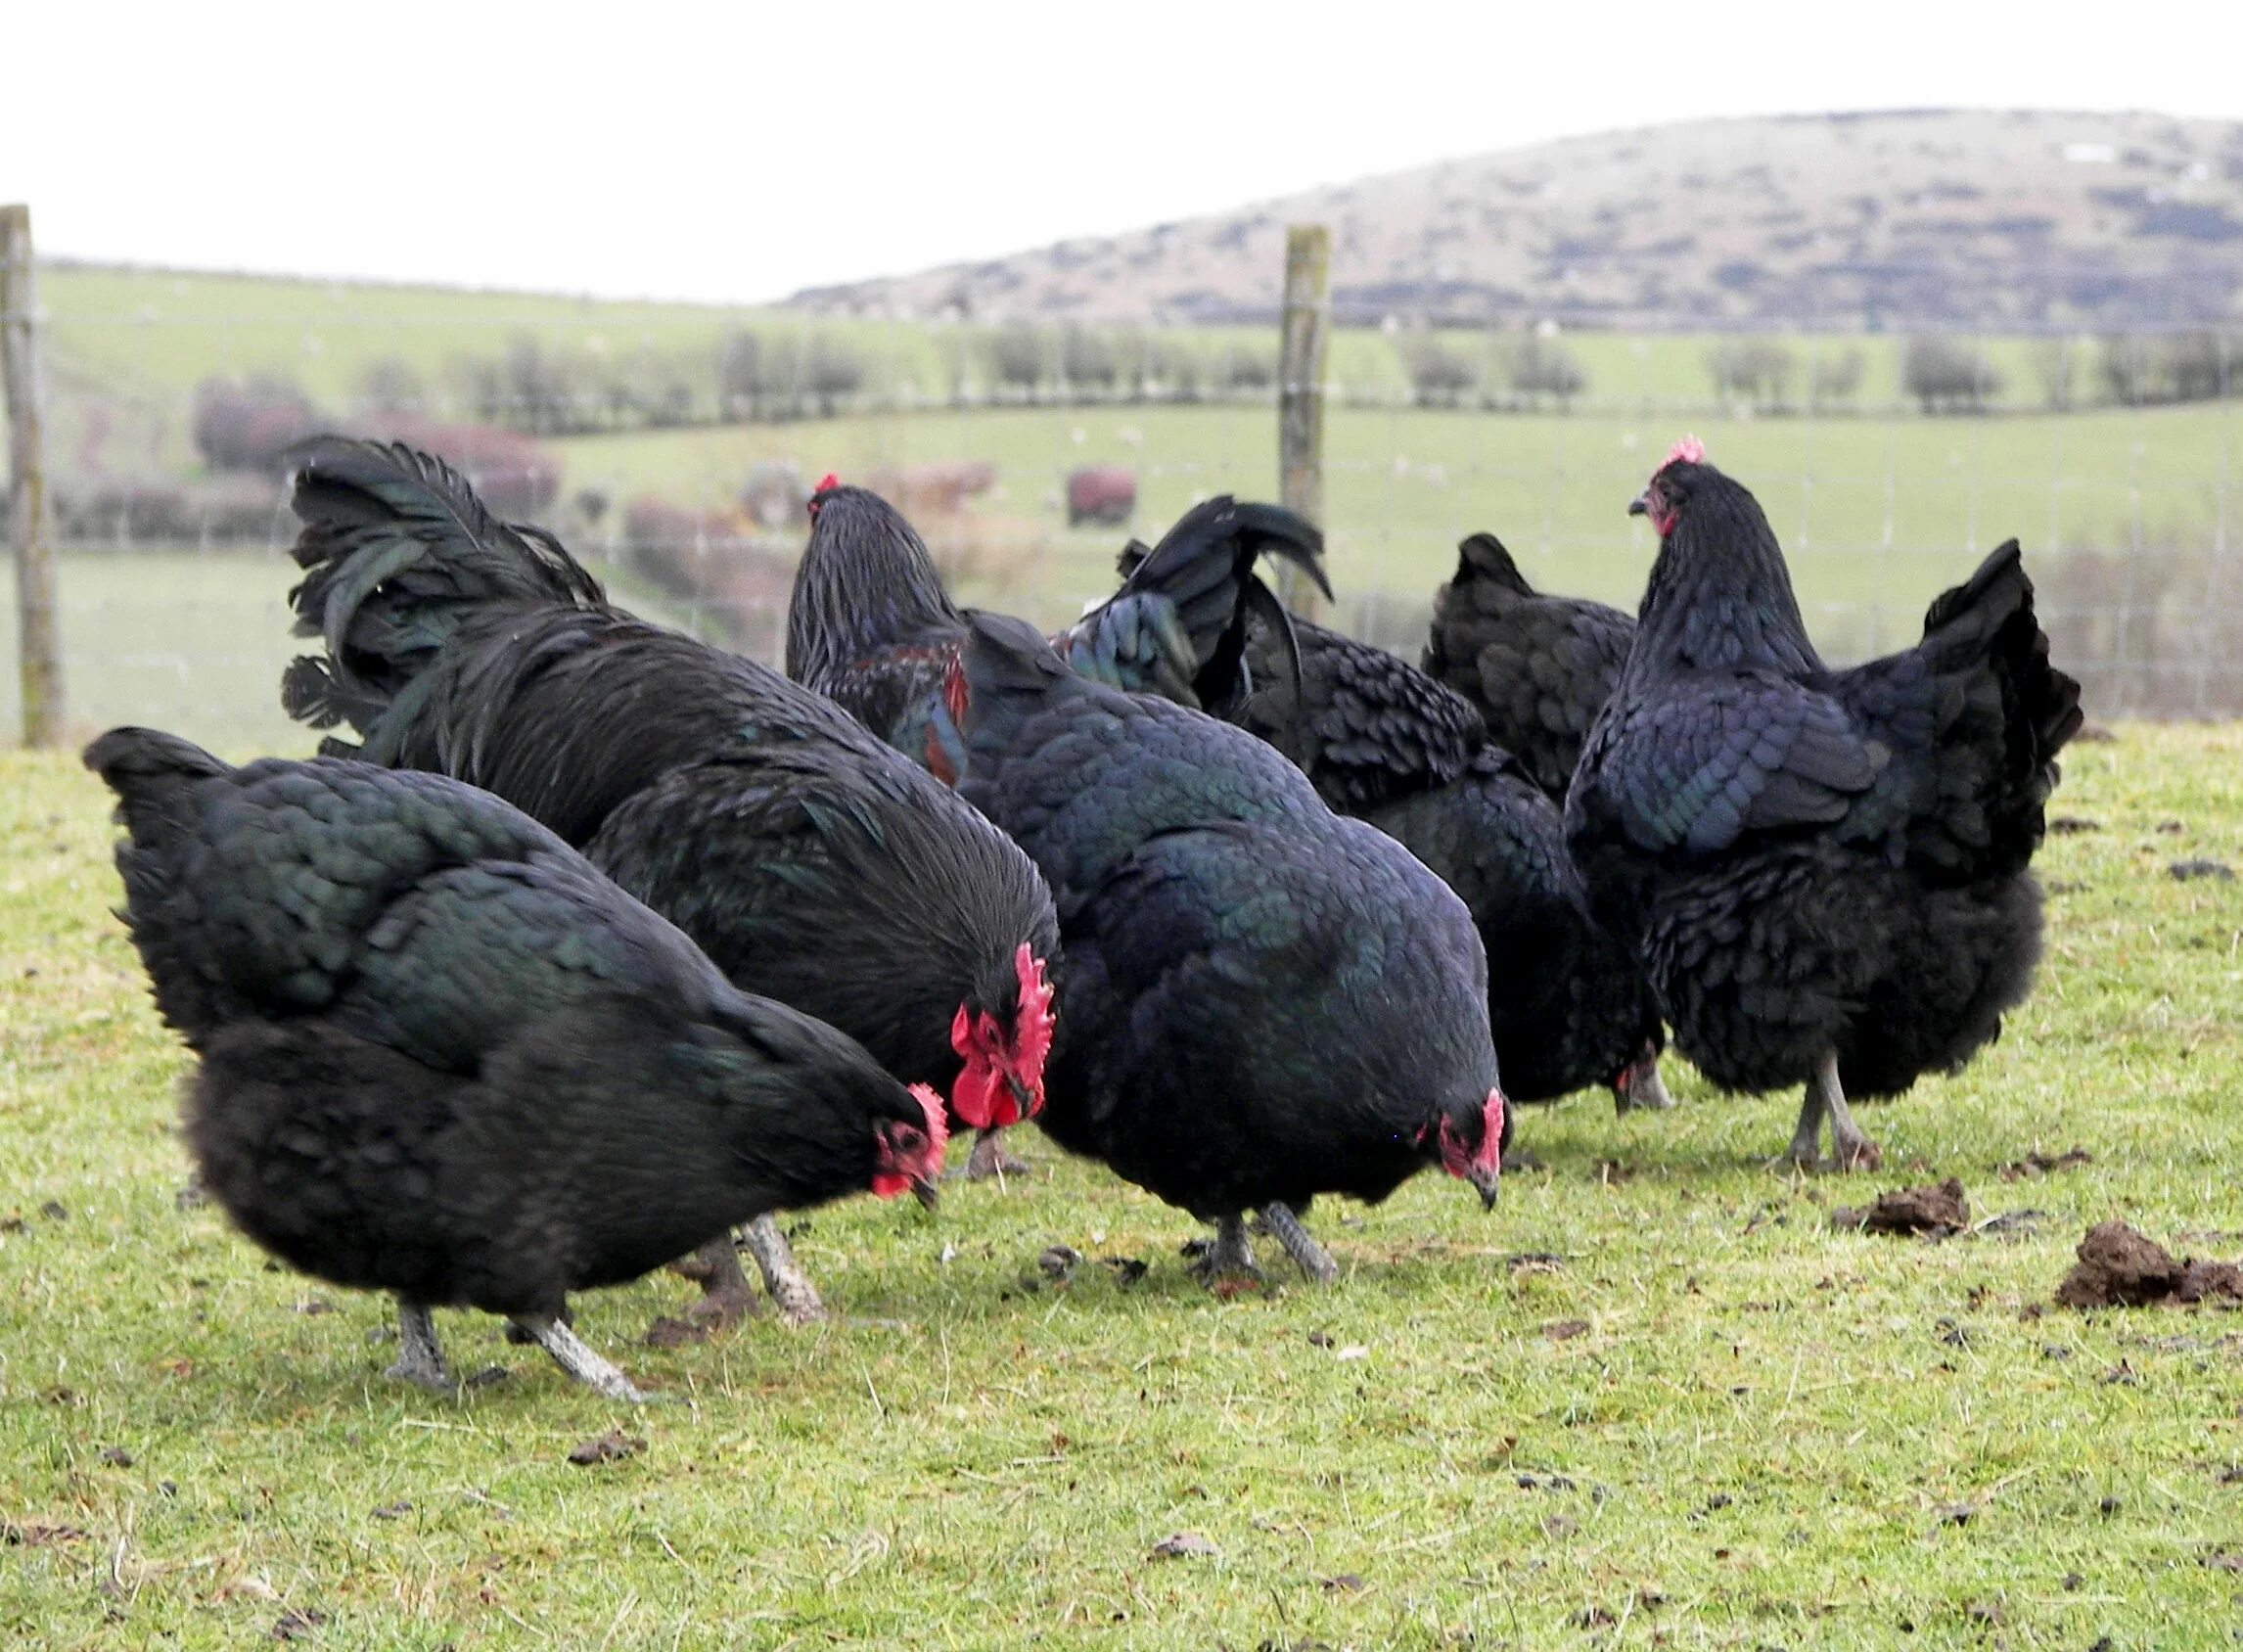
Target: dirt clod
(2045, 1163)
(1937, 1212)
(2187, 870)
(116, 1456)
(1058, 1262)
(1565, 1330)
(296, 1623)
(2119, 1267)
(609, 1447)
(1955, 1514)
(1183, 1545)
(669, 1331)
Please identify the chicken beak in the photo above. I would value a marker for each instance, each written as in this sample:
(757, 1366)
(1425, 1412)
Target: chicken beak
(1488, 1183)
(1637, 507)
(923, 1190)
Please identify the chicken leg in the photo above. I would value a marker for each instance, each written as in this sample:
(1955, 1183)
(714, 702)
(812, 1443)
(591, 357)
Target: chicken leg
(782, 1276)
(989, 1160)
(726, 1297)
(571, 1352)
(1314, 1260)
(1230, 1261)
(420, 1357)
(1849, 1148)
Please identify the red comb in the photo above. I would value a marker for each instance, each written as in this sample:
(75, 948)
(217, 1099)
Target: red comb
(1690, 451)
(826, 484)
(1033, 1022)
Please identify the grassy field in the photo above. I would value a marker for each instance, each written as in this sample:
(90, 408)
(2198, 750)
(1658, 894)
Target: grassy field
(1653, 1400)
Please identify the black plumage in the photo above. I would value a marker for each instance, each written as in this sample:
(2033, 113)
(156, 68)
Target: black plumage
(810, 862)
(441, 1055)
(1538, 668)
(1828, 870)
(870, 626)
(1567, 1003)
(1264, 1000)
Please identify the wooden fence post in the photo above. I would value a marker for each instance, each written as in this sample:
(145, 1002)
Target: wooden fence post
(36, 640)
(1305, 326)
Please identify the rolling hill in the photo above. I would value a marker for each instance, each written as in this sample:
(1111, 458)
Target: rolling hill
(2010, 219)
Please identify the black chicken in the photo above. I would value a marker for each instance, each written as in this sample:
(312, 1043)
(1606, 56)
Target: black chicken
(870, 626)
(1385, 743)
(1828, 870)
(442, 1056)
(808, 861)
(1264, 1000)
(1538, 668)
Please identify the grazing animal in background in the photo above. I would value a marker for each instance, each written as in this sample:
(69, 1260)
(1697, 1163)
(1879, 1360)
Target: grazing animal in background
(1265, 1000)
(441, 1055)
(1826, 871)
(813, 864)
(1381, 740)
(870, 626)
(1538, 668)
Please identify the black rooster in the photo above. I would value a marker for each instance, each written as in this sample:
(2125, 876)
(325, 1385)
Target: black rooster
(442, 1056)
(1828, 870)
(870, 626)
(1538, 668)
(1264, 1000)
(1382, 741)
(808, 861)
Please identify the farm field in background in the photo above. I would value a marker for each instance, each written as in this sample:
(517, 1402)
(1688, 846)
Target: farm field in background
(1653, 1398)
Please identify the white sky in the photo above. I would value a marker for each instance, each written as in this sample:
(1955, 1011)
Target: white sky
(740, 152)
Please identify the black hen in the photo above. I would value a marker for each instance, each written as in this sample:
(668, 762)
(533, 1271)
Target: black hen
(1382, 741)
(1538, 668)
(812, 862)
(870, 626)
(1264, 1000)
(1828, 870)
(442, 1056)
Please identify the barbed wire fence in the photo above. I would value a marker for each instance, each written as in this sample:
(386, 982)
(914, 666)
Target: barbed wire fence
(673, 450)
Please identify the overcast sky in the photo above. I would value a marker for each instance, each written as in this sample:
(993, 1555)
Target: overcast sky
(741, 151)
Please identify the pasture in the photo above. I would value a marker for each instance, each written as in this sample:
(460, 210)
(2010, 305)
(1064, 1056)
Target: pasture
(1654, 1398)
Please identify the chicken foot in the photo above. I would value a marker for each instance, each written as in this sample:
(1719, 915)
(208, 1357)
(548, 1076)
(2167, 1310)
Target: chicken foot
(782, 1276)
(989, 1161)
(1230, 1261)
(420, 1357)
(573, 1356)
(1315, 1262)
(1646, 1090)
(1849, 1148)
(726, 1297)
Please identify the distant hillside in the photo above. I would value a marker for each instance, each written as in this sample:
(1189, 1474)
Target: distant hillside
(1895, 219)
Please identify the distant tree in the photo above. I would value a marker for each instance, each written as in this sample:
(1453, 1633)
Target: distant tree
(1017, 355)
(757, 376)
(390, 385)
(248, 426)
(1754, 371)
(539, 388)
(1834, 378)
(1246, 368)
(1947, 376)
(2127, 367)
(832, 370)
(2198, 366)
(2055, 368)
(1543, 367)
(1439, 374)
(1174, 367)
(1088, 360)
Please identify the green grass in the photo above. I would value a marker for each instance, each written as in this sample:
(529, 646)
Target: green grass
(1753, 1438)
